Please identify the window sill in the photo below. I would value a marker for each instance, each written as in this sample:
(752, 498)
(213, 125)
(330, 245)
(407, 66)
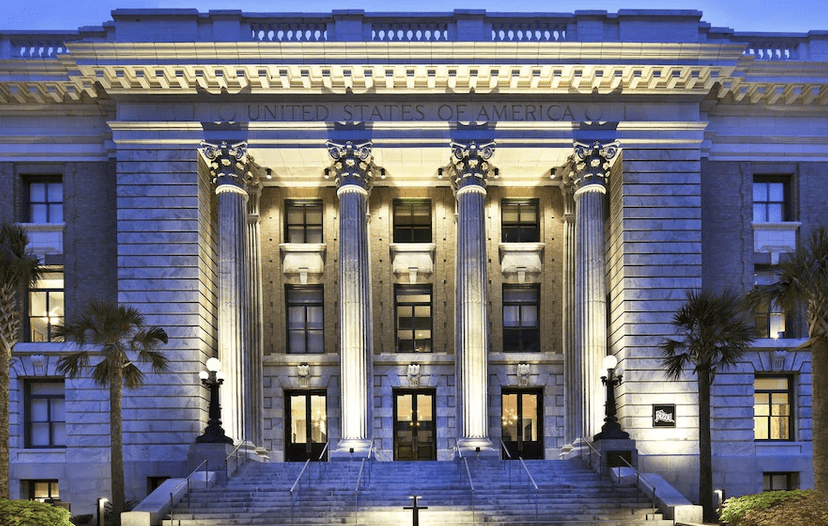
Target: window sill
(521, 260)
(775, 238)
(412, 259)
(302, 259)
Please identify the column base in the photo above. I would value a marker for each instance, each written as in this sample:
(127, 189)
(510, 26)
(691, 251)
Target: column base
(474, 448)
(350, 449)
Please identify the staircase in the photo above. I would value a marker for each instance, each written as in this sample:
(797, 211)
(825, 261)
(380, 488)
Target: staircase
(568, 495)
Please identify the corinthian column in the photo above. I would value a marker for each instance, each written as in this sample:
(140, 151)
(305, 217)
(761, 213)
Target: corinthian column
(352, 167)
(471, 168)
(228, 167)
(590, 284)
(572, 361)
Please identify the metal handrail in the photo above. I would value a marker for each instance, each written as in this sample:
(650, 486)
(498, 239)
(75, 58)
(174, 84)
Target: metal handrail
(227, 461)
(600, 457)
(359, 479)
(534, 484)
(638, 478)
(299, 477)
(468, 474)
(505, 449)
(187, 482)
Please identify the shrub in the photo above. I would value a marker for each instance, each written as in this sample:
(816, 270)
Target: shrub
(735, 509)
(32, 513)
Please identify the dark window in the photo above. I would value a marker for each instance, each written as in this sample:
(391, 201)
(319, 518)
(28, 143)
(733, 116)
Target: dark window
(771, 201)
(303, 222)
(772, 408)
(45, 306)
(521, 332)
(45, 201)
(42, 490)
(45, 414)
(305, 319)
(770, 320)
(781, 481)
(412, 221)
(413, 307)
(519, 221)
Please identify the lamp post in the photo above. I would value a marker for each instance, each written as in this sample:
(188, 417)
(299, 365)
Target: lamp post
(611, 430)
(213, 378)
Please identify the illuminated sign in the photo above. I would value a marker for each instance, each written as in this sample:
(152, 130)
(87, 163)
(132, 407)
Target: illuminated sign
(664, 415)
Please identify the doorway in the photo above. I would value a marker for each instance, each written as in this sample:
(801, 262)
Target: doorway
(307, 425)
(414, 425)
(522, 423)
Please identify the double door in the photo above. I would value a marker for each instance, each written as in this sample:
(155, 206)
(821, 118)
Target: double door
(414, 425)
(522, 423)
(307, 425)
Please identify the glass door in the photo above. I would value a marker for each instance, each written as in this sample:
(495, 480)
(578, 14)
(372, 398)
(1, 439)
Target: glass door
(522, 423)
(307, 426)
(414, 427)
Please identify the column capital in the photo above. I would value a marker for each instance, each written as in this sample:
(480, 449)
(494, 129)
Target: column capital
(593, 163)
(229, 164)
(470, 163)
(353, 164)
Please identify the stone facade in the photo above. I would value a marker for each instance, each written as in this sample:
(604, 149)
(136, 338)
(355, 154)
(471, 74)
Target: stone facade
(696, 118)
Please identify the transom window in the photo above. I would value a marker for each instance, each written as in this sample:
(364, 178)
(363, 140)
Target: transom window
(770, 199)
(412, 221)
(45, 201)
(414, 323)
(519, 221)
(521, 332)
(305, 319)
(45, 306)
(303, 223)
(772, 410)
(45, 414)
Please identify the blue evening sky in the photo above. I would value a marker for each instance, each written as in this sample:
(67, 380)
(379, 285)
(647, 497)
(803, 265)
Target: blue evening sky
(740, 15)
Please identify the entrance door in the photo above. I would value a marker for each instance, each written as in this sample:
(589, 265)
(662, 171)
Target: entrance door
(307, 426)
(414, 429)
(522, 423)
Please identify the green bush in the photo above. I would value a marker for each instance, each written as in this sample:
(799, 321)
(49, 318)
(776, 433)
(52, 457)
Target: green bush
(32, 513)
(735, 509)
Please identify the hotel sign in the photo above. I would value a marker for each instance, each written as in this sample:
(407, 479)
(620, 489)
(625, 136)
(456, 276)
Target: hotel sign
(664, 415)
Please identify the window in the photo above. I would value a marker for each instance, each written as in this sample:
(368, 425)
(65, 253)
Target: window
(521, 332)
(769, 318)
(45, 306)
(412, 221)
(770, 200)
(305, 319)
(45, 201)
(413, 308)
(772, 415)
(45, 414)
(519, 221)
(783, 481)
(42, 490)
(303, 222)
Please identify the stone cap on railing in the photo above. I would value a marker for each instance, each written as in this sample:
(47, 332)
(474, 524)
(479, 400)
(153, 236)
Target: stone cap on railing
(462, 25)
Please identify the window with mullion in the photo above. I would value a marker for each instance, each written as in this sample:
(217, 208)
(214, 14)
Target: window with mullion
(770, 199)
(45, 201)
(519, 221)
(412, 221)
(772, 408)
(771, 320)
(45, 414)
(412, 305)
(521, 331)
(305, 319)
(303, 221)
(45, 306)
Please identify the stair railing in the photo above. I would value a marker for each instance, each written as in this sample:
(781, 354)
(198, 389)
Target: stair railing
(534, 485)
(235, 456)
(508, 465)
(468, 474)
(305, 467)
(187, 482)
(600, 458)
(638, 478)
(367, 459)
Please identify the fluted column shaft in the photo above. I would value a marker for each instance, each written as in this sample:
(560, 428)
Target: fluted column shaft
(572, 362)
(255, 414)
(353, 170)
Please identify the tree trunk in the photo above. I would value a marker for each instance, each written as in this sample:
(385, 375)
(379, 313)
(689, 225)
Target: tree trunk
(819, 424)
(705, 449)
(116, 443)
(9, 333)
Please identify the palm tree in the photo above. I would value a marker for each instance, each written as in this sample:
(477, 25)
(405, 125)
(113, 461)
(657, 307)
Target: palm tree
(118, 333)
(713, 332)
(17, 270)
(801, 278)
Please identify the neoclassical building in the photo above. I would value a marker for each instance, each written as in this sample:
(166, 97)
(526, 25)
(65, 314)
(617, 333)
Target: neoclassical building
(412, 232)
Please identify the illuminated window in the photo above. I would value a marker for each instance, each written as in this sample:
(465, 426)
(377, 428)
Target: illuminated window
(413, 307)
(782, 481)
(772, 409)
(770, 199)
(519, 221)
(769, 318)
(412, 221)
(45, 201)
(45, 414)
(303, 221)
(42, 490)
(521, 332)
(45, 306)
(305, 319)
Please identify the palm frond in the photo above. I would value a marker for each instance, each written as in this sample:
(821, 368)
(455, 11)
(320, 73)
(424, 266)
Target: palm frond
(73, 364)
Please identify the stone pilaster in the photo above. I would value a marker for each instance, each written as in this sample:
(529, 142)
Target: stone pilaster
(471, 167)
(572, 368)
(228, 167)
(353, 170)
(254, 271)
(590, 281)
